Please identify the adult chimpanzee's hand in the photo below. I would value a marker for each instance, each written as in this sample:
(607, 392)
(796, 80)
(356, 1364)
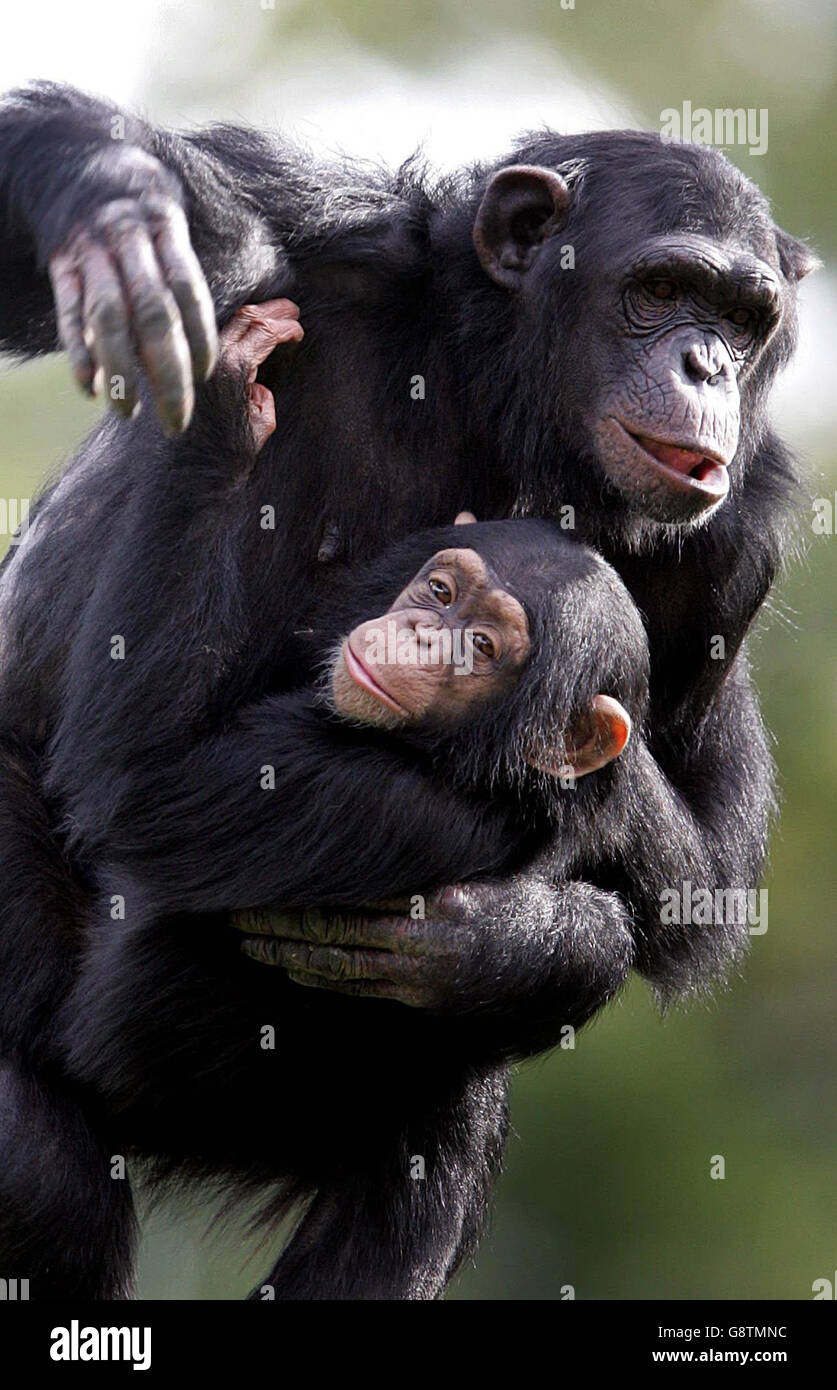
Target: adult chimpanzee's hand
(128, 285)
(516, 960)
(384, 953)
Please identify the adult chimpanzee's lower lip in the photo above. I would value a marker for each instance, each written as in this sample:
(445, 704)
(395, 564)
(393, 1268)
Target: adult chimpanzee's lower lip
(685, 467)
(362, 677)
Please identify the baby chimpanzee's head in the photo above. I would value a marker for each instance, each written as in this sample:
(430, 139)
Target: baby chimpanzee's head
(512, 641)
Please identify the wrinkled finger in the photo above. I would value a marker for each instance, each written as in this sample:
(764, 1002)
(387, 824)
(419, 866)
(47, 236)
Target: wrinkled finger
(316, 927)
(258, 948)
(262, 414)
(399, 935)
(339, 966)
(158, 332)
(260, 398)
(274, 311)
(158, 328)
(265, 922)
(329, 928)
(388, 933)
(336, 963)
(233, 333)
(256, 329)
(107, 330)
(69, 305)
(184, 276)
(288, 331)
(330, 962)
(406, 936)
(291, 955)
(368, 989)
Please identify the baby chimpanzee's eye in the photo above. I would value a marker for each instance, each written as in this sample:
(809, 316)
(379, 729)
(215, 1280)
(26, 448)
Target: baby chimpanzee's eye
(483, 644)
(440, 590)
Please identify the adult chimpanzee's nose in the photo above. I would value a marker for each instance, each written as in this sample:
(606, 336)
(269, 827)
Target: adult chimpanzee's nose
(706, 361)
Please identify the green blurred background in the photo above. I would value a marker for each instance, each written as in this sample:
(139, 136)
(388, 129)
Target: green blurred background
(608, 1186)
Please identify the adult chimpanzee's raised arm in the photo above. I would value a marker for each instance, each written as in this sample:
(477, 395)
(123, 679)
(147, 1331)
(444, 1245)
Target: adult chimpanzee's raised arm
(109, 210)
(136, 232)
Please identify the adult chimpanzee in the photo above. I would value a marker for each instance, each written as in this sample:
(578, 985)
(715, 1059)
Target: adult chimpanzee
(630, 389)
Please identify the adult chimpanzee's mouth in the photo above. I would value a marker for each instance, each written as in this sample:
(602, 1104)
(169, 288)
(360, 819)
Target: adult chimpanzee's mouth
(686, 465)
(364, 678)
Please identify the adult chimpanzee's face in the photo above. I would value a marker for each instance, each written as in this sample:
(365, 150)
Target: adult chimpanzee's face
(660, 329)
(690, 320)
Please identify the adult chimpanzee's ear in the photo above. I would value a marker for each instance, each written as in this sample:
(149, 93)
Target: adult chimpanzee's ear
(795, 258)
(595, 739)
(522, 207)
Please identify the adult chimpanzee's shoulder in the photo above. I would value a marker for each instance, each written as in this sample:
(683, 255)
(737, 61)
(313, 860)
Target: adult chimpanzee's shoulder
(328, 207)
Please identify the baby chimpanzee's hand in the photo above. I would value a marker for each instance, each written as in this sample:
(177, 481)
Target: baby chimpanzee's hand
(246, 341)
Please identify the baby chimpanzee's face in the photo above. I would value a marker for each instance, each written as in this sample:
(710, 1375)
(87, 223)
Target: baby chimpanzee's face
(451, 640)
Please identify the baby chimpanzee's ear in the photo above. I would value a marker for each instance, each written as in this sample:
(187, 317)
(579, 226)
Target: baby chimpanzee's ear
(595, 739)
(464, 519)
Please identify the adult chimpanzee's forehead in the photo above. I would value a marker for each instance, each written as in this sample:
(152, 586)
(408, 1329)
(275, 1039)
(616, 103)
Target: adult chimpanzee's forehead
(695, 258)
(639, 183)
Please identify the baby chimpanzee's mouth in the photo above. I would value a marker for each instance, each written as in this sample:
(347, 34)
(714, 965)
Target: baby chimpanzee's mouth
(692, 465)
(364, 678)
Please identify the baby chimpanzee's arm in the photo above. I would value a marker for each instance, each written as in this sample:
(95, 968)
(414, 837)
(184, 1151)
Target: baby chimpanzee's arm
(290, 805)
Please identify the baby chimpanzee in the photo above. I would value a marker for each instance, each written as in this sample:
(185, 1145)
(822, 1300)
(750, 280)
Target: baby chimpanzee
(448, 737)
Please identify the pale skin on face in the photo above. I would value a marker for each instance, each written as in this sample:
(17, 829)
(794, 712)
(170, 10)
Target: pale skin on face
(455, 590)
(451, 639)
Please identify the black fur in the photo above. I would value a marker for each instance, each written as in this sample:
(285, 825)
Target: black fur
(161, 542)
(355, 814)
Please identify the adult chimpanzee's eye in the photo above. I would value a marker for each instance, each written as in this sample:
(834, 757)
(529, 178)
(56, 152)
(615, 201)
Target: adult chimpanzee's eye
(483, 644)
(662, 289)
(648, 302)
(440, 590)
(742, 318)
